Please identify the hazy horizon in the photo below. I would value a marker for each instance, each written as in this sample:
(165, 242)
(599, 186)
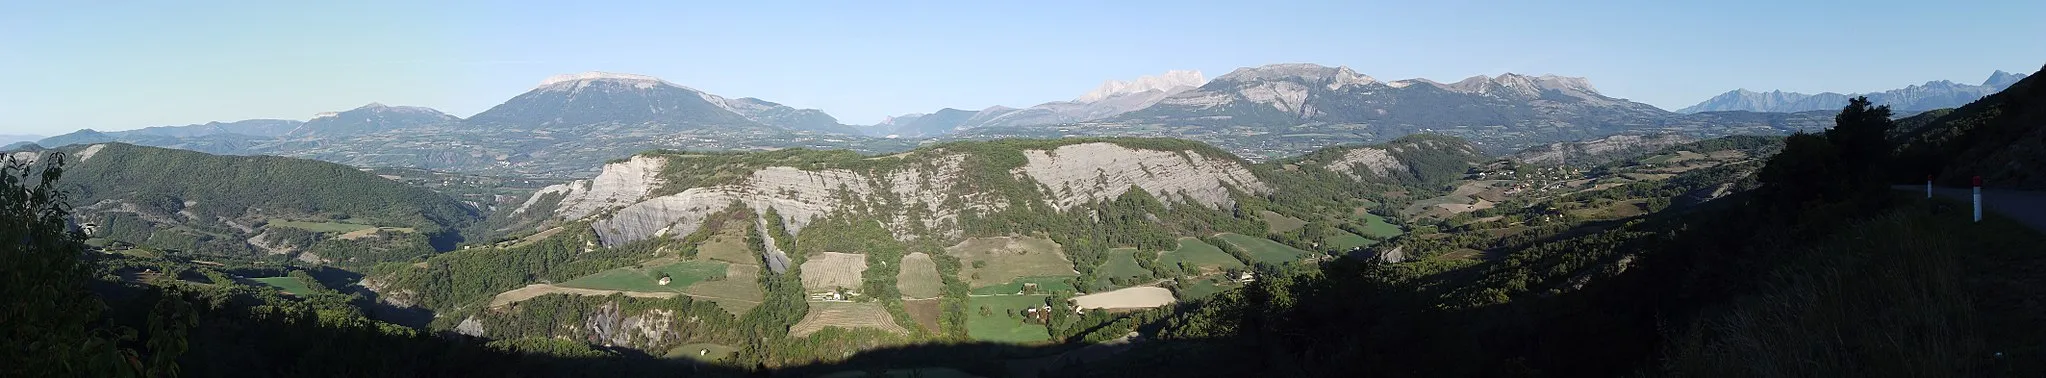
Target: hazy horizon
(132, 66)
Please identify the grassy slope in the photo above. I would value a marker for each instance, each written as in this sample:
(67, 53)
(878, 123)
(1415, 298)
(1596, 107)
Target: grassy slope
(1198, 253)
(1344, 240)
(1375, 226)
(336, 227)
(1265, 250)
(1917, 292)
(287, 283)
(999, 326)
(1045, 284)
(229, 184)
(1279, 223)
(682, 275)
(1122, 262)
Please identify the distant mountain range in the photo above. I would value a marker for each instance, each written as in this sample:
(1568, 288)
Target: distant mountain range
(6, 139)
(1111, 98)
(370, 118)
(1292, 94)
(1931, 95)
(1286, 109)
(1997, 139)
(568, 125)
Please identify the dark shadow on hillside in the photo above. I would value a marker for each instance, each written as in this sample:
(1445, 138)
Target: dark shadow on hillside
(414, 317)
(445, 240)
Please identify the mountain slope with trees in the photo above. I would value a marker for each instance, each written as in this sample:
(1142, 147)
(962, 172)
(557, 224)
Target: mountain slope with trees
(248, 205)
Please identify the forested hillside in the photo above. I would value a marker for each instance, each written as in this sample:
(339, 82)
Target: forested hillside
(1819, 270)
(205, 204)
(1999, 137)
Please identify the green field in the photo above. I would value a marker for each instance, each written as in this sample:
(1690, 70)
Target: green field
(289, 284)
(1344, 241)
(1264, 250)
(644, 278)
(698, 352)
(323, 226)
(1122, 262)
(1198, 253)
(999, 326)
(1045, 284)
(1280, 223)
(1200, 289)
(1375, 227)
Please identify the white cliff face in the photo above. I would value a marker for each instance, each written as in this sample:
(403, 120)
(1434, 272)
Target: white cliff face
(618, 185)
(1171, 81)
(1298, 71)
(1088, 172)
(1286, 96)
(797, 195)
(87, 153)
(1377, 161)
(928, 192)
(1597, 150)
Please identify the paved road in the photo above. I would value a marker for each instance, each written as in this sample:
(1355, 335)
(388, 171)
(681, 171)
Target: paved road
(2026, 207)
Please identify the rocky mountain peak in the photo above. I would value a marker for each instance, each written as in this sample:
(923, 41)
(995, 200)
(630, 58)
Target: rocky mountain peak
(1171, 81)
(1566, 83)
(896, 120)
(1301, 71)
(380, 107)
(1408, 82)
(1524, 85)
(2001, 79)
(578, 81)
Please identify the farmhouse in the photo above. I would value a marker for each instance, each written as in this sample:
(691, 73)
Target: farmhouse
(1039, 315)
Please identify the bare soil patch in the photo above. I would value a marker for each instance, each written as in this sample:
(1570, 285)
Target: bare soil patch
(845, 315)
(1133, 297)
(1000, 260)
(924, 312)
(833, 270)
(918, 278)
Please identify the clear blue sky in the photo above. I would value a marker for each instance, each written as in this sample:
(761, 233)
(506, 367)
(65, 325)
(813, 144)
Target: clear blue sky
(124, 65)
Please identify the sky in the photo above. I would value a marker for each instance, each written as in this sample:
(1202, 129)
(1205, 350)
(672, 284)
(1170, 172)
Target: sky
(126, 65)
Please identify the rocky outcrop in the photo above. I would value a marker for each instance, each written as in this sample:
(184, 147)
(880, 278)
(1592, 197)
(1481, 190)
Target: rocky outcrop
(618, 184)
(610, 326)
(798, 195)
(777, 260)
(606, 324)
(1598, 150)
(1088, 172)
(1379, 162)
(924, 189)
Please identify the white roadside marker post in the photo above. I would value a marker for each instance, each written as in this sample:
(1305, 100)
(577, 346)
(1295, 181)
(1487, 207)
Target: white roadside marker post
(1978, 199)
(1928, 186)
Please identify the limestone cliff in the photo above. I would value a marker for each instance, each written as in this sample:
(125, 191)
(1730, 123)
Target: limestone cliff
(1599, 150)
(1420, 158)
(671, 194)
